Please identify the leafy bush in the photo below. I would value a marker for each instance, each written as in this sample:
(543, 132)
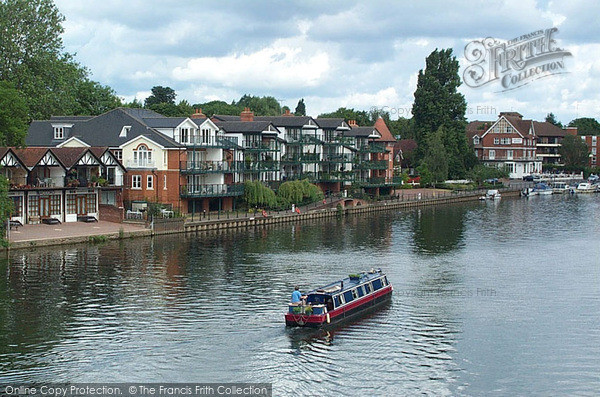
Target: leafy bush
(256, 194)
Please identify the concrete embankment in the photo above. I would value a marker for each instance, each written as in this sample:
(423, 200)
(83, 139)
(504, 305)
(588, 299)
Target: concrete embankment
(348, 206)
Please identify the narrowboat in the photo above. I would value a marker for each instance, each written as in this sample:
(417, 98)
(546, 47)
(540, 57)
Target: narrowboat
(340, 300)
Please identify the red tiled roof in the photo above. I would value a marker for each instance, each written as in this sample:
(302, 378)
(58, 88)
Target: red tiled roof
(521, 125)
(544, 128)
(69, 156)
(386, 135)
(477, 128)
(30, 156)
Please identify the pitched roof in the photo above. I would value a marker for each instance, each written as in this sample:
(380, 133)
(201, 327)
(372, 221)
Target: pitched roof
(30, 156)
(245, 127)
(330, 122)
(68, 156)
(544, 128)
(163, 122)
(102, 130)
(361, 131)
(386, 135)
(477, 127)
(521, 125)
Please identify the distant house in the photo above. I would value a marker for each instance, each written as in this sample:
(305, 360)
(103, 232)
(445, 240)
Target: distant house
(507, 142)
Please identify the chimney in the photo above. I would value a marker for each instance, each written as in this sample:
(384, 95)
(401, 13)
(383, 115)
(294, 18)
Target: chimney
(287, 113)
(352, 123)
(247, 115)
(511, 114)
(571, 130)
(198, 114)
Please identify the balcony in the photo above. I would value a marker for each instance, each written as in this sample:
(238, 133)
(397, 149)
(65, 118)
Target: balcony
(380, 182)
(212, 141)
(140, 163)
(211, 190)
(301, 158)
(209, 167)
(373, 148)
(337, 158)
(372, 165)
(303, 140)
(269, 146)
(259, 166)
(506, 158)
(339, 141)
(340, 176)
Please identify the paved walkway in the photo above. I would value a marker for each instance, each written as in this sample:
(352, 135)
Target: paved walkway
(69, 230)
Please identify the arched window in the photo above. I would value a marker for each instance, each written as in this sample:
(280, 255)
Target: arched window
(142, 156)
(475, 140)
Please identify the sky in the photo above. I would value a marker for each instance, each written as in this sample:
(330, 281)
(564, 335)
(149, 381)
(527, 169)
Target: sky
(362, 55)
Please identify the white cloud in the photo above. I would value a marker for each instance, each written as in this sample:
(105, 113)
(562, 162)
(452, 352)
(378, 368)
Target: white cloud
(279, 65)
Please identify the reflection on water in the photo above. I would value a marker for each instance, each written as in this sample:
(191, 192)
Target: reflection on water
(488, 297)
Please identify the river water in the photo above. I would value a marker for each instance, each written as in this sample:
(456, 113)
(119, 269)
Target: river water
(495, 298)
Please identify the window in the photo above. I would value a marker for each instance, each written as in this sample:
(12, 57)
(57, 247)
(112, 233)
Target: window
(354, 294)
(376, 284)
(508, 129)
(337, 301)
(368, 288)
(510, 167)
(142, 156)
(17, 205)
(492, 154)
(348, 296)
(184, 135)
(384, 281)
(594, 160)
(496, 141)
(361, 291)
(509, 154)
(475, 140)
(59, 133)
(118, 154)
(150, 182)
(136, 181)
(594, 151)
(164, 182)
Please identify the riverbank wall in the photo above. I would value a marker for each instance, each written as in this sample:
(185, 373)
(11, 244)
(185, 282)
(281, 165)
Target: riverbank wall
(347, 207)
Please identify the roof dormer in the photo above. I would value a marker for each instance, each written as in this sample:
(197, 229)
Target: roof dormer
(61, 130)
(124, 131)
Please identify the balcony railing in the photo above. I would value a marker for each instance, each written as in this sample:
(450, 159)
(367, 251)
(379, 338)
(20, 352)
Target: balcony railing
(260, 145)
(337, 158)
(339, 141)
(140, 163)
(372, 165)
(341, 176)
(505, 158)
(380, 182)
(207, 167)
(212, 141)
(301, 158)
(211, 190)
(373, 148)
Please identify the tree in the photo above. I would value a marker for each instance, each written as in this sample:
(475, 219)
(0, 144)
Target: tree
(300, 108)
(439, 104)
(218, 107)
(551, 118)
(436, 158)
(93, 99)
(161, 94)
(33, 59)
(13, 116)
(360, 116)
(574, 151)
(481, 172)
(586, 126)
(261, 106)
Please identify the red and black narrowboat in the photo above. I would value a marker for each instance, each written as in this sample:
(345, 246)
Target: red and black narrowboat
(340, 300)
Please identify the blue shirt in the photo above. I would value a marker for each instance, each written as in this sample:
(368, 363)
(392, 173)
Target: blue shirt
(296, 296)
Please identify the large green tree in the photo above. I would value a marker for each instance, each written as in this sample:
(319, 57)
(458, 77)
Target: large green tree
(436, 160)
(586, 126)
(13, 116)
(360, 116)
(161, 95)
(439, 104)
(32, 57)
(551, 118)
(574, 151)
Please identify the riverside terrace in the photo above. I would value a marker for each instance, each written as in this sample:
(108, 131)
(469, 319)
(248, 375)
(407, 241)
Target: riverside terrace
(56, 185)
(193, 162)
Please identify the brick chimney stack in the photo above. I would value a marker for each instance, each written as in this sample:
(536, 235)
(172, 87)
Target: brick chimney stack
(352, 123)
(247, 115)
(287, 113)
(198, 114)
(571, 130)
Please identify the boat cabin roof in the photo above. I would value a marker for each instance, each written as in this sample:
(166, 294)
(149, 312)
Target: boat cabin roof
(347, 283)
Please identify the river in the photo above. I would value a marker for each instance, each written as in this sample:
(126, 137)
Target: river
(495, 298)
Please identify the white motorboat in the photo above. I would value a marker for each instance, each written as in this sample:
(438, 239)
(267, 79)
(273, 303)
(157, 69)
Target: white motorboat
(585, 187)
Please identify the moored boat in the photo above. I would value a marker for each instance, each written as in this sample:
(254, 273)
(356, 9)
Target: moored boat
(585, 187)
(340, 300)
(541, 189)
